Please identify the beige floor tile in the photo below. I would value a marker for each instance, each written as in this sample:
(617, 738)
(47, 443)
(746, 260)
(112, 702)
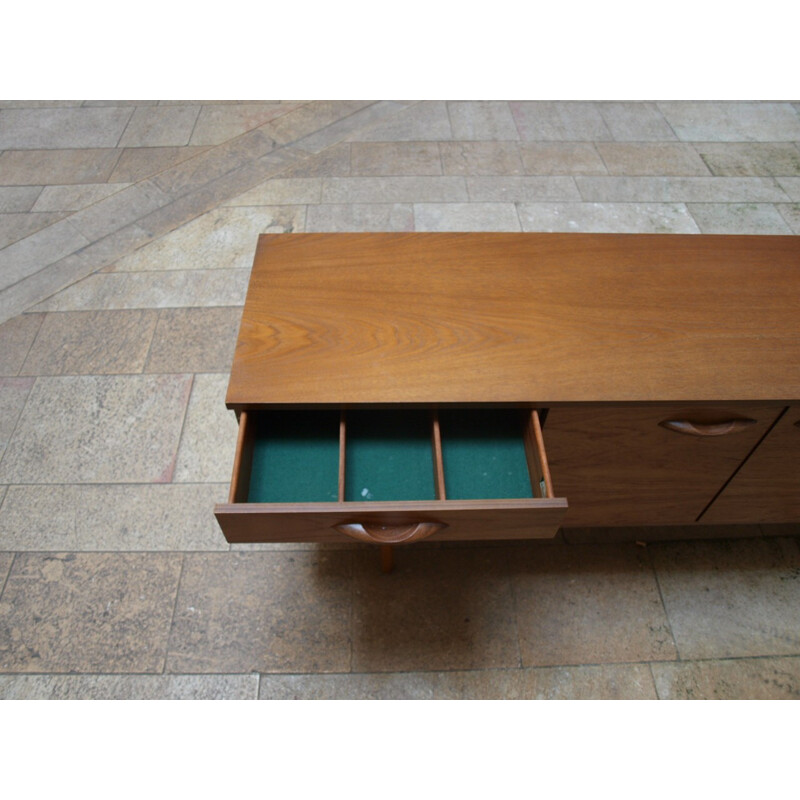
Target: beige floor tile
(732, 121)
(16, 337)
(6, 559)
(268, 612)
(394, 190)
(427, 120)
(160, 126)
(559, 121)
(303, 122)
(739, 679)
(14, 227)
(17, 199)
(394, 158)
(589, 604)
(730, 599)
(194, 340)
(128, 687)
(112, 517)
(75, 197)
(607, 217)
(651, 158)
(438, 610)
(91, 343)
(359, 217)
(208, 441)
(465, 217)
(138, 163)
(605, 682)
(791, 214)
(513, 189)
(487, 120)
(87, 612)
(791, 187)
(747, 218)
(481, 158)
(735, 159)
(635, 122)
(98, 429)
(54, 167)
(57, 128)
(218, 123)
(561, 158)
(680, 189)
(333, 162)
(13, 394)
(281, 191)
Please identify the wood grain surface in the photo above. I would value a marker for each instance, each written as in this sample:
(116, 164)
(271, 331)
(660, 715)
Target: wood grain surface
(426, 318)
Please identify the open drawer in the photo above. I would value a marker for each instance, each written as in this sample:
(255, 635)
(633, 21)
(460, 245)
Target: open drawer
(390, 476)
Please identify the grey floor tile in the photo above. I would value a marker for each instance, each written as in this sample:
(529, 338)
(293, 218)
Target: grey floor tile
(128, 687)
(561, 158)
(587, 604)
(481, 158)
(680, 189)
(731, 598)
(651, 158)
(75, 197)
(424, 121)
(636, 122)
(6, 560)
(465, 217)
(149, 517)
(281, 191)
(394, 158)
(732, 121)
(738, 679)
(747, 218)
(605, 682)
(394, 190)
(791, 214)
(106, 429)
(194, 340)
(17, 335)
(359, 217)
(487, 120)
(753, 159)
(320, 124)
(513, 189)
(16, 199)
(55, 167)
(87, 612)
(607, 217)
(218, 123)
(268, 612)
(333, 162)
(438, 610)
(13, 394)
(41, 128)
(208, 440)
(138, 163)
(160, 126)
(91, 343)
(791, 186)
(14, 227)
(559, 121)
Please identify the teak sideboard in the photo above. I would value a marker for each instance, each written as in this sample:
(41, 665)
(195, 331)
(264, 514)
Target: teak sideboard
(394, 387)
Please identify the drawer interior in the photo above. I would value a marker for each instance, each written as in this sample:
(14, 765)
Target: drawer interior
(365, 455)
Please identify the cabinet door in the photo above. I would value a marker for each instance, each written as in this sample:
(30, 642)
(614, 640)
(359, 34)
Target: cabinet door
(648, 464)
(767, 487)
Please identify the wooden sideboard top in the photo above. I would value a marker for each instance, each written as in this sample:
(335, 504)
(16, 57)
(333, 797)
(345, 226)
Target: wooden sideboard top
(518, 318)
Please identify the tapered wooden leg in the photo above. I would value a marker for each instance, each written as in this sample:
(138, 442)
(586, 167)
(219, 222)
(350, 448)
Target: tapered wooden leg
(387, 558)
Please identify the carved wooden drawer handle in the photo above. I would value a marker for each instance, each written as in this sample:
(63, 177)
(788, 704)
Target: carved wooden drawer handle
(707, 429)
(390, 534)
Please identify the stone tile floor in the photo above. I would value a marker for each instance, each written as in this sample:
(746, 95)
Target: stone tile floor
(126, 234)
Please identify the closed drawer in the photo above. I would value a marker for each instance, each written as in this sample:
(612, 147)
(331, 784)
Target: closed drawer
(390, 477)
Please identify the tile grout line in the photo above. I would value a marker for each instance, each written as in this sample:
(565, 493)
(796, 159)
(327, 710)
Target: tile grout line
(194, 127)
(172, 615)
(16, 425)
(8, 574)
(653, 678)
(189, 394)
(33, 342)
(510, 579)
(143, 370)
(127, 124)
(664, 606)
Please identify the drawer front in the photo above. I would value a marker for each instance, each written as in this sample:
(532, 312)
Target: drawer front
(648, 464)
(390, 477)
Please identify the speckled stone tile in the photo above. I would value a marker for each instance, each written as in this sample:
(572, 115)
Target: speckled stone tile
(635, 122)
(607, 217)
(208, 441)
(732, 121)
(360, 217)
(17, 199)
(13, 394)
(561, 158)
(438, 610)
(281, 191)
(482, 119)
(52, 128)
(605, 682)
(651, 158)
(747, 218)
(680, 189)
(147, 517)
(791, 214)
(790, 187)
(225, 238)
(739, 679)
(14, 227)
(164, 126)
(268, 612)
(17, 335)
(424, 121)
(332, 162)
(91, 343)
(730, 599)
(218, 123)
(465, 217)
(6, 559)
(521, 189)
(750, 159)
(56, 167)
(194, 340)
(395, 158)
(87, 612)
(588, 604)
(75, 197)
(401, 189)
(137, 163)
(481, 158)
(128, 687)
(559, 121)
(98, 429)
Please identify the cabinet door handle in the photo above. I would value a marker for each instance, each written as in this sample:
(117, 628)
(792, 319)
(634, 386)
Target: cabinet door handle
(390, 534)
(707, 428)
